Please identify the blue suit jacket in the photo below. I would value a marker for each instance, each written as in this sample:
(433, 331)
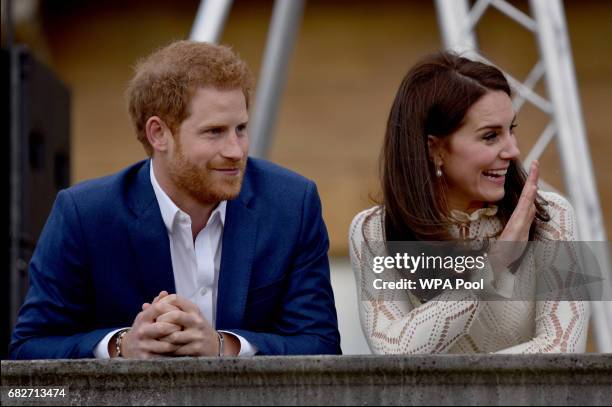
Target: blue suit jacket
(105, 251)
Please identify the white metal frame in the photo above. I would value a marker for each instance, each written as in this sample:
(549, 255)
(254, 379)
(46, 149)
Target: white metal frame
(210, 20)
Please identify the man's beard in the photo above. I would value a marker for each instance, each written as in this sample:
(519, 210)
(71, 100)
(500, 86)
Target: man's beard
(201, 182)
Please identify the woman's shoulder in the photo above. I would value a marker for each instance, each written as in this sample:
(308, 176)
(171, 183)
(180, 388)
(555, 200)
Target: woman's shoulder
(556, 199)
(367, 225)
(562, 223)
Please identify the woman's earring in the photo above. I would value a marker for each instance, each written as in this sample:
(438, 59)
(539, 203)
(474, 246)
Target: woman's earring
(438, 171)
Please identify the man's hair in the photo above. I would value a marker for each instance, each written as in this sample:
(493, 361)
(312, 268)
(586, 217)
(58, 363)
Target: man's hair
(165, 82)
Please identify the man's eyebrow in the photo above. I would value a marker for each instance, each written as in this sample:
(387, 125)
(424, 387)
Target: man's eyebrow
(495, 126)
(212, 126)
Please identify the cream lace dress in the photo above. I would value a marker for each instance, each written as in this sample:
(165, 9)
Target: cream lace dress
(459, 322)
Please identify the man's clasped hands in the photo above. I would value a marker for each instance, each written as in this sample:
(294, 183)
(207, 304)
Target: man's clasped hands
(173, 326)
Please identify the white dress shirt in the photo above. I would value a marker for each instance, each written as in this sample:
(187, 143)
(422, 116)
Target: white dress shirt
(195, 264)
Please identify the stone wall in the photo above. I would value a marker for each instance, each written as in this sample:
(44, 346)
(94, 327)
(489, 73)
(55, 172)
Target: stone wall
(321, 380)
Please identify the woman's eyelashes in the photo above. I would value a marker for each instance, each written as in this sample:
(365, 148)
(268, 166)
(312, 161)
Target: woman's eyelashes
(492, 135)
(489, 137)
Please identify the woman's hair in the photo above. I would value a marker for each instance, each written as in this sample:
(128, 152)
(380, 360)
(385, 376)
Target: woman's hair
(433, 99)
(165, 81)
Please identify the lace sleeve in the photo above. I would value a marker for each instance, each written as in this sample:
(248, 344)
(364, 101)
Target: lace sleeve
(560, 326)
(392, 325)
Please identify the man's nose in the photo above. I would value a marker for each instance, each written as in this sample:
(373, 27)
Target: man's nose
(233, 148)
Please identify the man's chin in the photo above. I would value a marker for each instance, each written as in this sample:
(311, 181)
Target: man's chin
(226, 192)
(228, 196)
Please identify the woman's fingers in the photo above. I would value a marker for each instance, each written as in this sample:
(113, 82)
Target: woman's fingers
(531, 187)
(529, 193)
(520, 222)
(534, 173)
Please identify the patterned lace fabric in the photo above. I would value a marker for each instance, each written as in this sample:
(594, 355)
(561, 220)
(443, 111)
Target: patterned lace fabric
(458, 321)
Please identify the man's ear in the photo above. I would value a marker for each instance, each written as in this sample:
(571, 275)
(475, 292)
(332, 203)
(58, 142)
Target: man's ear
(158, 133)
(434, 145)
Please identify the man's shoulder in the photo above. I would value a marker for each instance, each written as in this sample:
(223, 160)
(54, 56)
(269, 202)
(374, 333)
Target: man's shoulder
(269, 175)
(99, 190)
(267, 169)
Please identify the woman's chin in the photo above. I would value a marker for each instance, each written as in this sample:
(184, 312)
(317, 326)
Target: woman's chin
(492, 195)
(495, 197)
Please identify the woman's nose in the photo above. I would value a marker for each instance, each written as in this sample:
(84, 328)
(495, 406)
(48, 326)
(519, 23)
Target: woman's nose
(510, 150)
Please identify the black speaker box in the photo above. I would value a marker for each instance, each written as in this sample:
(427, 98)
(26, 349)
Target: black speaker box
(36, 132)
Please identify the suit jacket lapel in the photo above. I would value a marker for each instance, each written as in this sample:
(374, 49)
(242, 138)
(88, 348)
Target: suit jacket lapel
(238, 251)
(149, 238)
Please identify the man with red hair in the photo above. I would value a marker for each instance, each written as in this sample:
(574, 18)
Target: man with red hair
(196, 251)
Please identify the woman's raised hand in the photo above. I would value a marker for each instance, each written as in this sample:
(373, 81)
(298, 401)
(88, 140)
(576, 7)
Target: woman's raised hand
(517, 228)
(503, 255)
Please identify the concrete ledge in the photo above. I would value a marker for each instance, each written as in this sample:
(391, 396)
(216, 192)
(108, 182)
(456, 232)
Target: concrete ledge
(321, 380)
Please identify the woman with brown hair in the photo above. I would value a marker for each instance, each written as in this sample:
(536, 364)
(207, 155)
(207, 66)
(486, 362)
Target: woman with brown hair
(450, 172)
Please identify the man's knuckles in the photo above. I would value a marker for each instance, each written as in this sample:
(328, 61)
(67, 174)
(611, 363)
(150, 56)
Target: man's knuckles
(165, 328)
